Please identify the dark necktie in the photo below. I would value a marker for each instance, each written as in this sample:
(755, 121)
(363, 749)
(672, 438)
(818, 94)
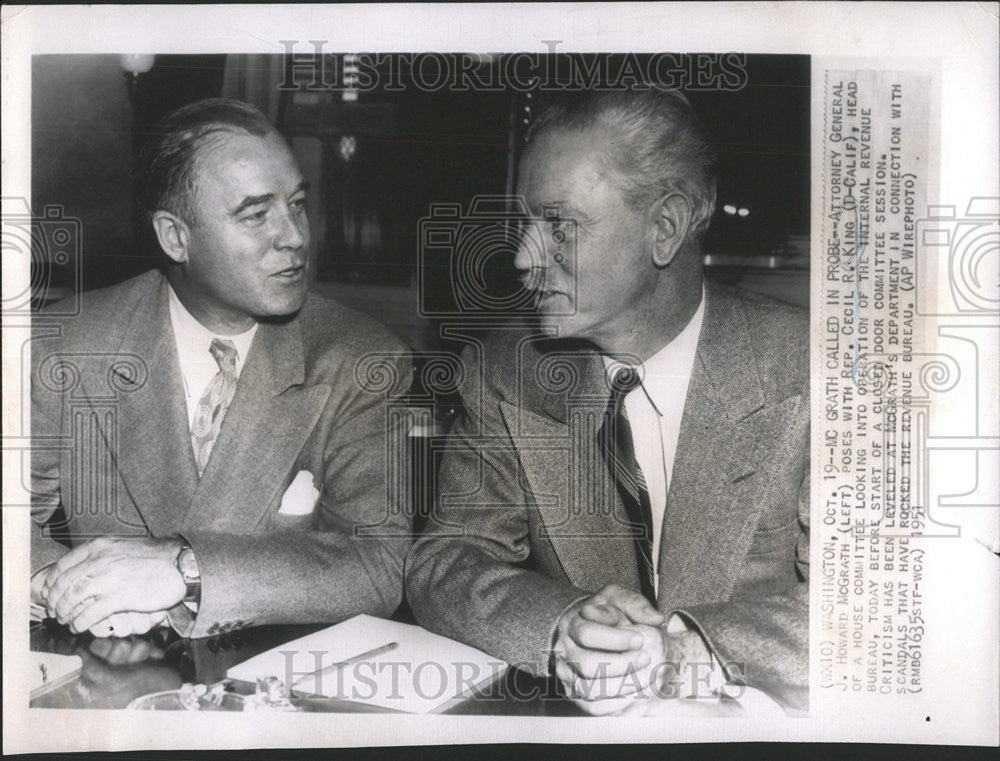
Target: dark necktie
(214, 402)
(619, 454)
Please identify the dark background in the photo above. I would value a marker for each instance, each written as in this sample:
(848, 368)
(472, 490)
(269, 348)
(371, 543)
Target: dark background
(406, 150)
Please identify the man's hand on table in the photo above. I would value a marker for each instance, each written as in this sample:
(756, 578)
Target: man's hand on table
(123, 624)
(113, 587)
(613, 655)
(606, 649)
(126, 624)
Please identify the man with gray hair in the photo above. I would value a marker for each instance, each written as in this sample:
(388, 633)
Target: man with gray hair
(625, 502)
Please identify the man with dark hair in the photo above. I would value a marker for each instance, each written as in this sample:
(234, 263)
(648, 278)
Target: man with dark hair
(207, 449)
(629, 510)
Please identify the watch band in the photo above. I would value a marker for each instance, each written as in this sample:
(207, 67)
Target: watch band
(187, 565)
(192, 591)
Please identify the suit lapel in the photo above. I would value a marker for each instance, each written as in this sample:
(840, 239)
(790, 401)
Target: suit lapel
(725, 458)
(154, 455)
(727, 436)
(583, 516)
(270, 418)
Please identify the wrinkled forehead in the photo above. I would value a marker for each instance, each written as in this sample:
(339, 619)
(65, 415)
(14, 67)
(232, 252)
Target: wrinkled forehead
(561, 163)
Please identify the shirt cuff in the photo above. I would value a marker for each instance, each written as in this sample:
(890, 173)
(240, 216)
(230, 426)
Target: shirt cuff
(694, 682)
(755, 702)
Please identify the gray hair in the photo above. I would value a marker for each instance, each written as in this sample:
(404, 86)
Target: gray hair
(662, 147)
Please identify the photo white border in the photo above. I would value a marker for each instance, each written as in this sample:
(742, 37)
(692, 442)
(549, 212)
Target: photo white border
(961, 38)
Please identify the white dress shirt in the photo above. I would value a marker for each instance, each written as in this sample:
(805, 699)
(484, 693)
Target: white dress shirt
(655, 409)
(198, 366)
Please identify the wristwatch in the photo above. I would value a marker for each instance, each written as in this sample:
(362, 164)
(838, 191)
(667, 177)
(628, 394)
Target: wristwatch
(187, 564)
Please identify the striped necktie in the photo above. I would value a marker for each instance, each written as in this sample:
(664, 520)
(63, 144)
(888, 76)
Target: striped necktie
(619, 455)
(214, 402)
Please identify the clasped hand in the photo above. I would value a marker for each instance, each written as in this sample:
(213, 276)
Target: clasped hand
(610, 650)
(112, 587)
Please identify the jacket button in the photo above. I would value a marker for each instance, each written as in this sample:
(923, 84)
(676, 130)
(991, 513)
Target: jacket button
(237, 625)
(214, 628)
(225, 628)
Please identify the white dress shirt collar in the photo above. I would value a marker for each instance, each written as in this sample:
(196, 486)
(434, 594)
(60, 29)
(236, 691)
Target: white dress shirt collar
(671, 365)
(193, 340)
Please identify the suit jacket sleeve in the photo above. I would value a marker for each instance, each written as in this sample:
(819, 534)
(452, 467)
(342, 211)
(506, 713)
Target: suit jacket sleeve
(764, 641)
(467, 576)
(46, 437)
(350, 561)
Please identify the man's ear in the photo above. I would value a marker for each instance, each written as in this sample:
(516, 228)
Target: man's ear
(671, 220)
(173, 234)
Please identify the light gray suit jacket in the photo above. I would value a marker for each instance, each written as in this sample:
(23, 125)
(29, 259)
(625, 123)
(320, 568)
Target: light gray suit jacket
(528, 521)
(112, 455)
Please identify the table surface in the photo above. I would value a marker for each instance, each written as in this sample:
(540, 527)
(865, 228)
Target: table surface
(116, 672)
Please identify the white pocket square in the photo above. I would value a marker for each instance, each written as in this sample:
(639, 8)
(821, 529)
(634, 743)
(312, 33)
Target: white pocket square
(301, 496)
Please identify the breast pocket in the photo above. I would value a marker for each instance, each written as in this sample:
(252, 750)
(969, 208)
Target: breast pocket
(296, 508)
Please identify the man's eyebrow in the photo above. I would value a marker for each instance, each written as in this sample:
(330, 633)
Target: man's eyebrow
(254, 200)
(249, 201)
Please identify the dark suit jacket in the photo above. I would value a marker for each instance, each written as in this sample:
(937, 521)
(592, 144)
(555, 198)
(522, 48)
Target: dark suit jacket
(112, 456)
(528, 521)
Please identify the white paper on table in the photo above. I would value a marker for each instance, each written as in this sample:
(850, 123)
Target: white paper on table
(424, 673)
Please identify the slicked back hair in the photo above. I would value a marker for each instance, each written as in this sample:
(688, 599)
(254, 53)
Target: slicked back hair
(166, 170)
(659, 147)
